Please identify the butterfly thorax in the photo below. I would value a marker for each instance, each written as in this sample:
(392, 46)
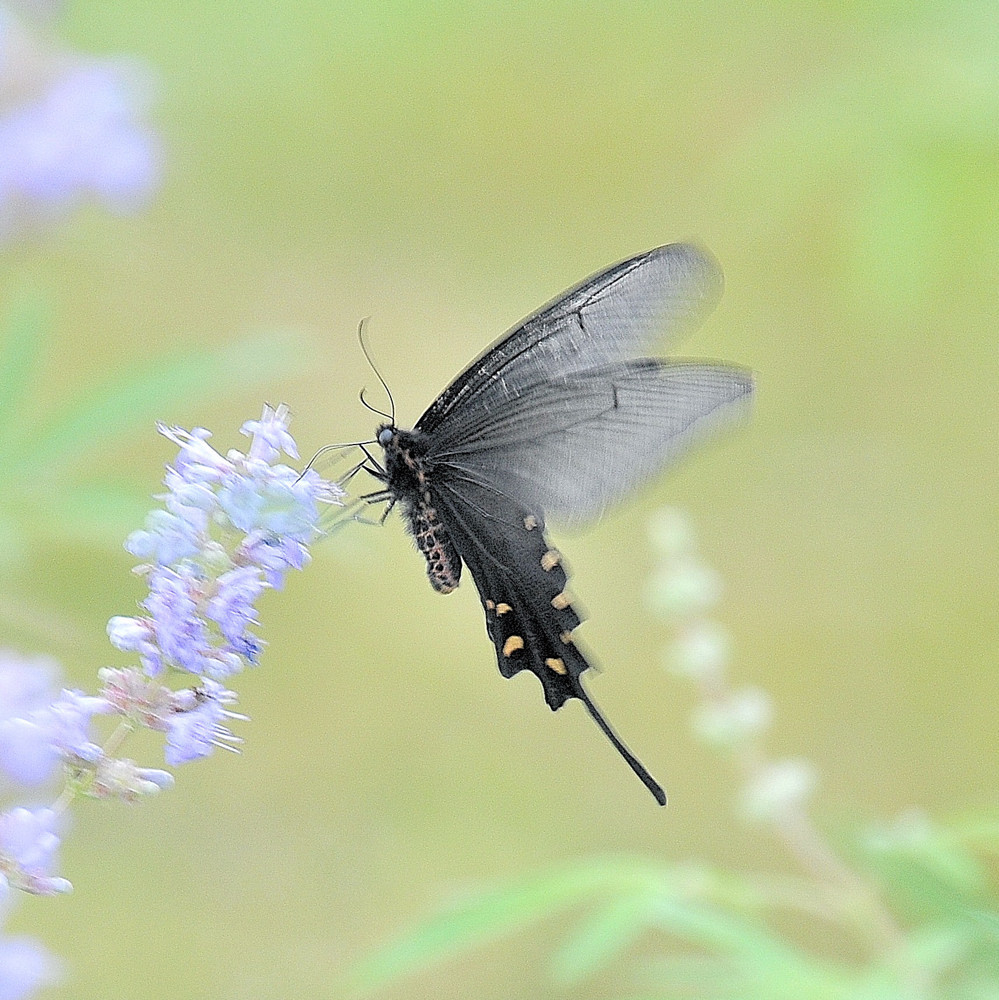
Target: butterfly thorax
(409, 478)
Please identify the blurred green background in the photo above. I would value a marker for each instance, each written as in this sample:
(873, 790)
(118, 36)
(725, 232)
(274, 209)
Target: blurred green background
(444, 169)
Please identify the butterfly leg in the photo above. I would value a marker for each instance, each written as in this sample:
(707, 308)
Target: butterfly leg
(380, 496)
(345, 515)
(375, 469)
(387, 511)
(343, 480)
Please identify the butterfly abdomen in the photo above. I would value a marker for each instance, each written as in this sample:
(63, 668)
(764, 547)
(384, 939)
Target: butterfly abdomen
(408, 471)
(432, 539)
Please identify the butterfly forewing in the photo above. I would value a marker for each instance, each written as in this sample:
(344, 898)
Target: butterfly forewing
(614, 315)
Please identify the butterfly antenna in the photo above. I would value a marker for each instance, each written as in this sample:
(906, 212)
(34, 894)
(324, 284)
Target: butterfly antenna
(374, 409)
(378, 374)
(633, 762)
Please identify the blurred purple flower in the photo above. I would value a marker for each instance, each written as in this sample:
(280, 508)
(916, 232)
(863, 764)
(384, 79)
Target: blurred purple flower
(83, 137)
(25, 966)
(33, 746)
(28, 849)
(68, 723)
(26, 683)
(27, 756)
(27, 689)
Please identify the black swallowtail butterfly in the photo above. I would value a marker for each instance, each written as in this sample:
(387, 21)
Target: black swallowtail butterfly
(560, 417)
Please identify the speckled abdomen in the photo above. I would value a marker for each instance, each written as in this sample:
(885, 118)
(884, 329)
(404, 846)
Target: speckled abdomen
(432, 539)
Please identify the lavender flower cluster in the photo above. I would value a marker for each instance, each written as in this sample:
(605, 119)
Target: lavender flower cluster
(69, 129)
(231, 527)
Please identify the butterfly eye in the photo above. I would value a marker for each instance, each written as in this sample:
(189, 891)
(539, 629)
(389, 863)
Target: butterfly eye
(385, 436)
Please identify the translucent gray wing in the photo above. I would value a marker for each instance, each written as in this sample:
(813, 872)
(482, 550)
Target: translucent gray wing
(574, 445)
(612, 316)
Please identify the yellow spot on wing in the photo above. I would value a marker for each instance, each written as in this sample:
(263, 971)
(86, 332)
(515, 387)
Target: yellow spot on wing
(530, 522)
(512, 644)
(557, 665)
(502, 609)
(489, 605)
(561, 601)
(566, 638)
(550, 560)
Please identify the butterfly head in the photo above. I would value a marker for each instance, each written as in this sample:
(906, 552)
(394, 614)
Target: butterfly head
(405, 458)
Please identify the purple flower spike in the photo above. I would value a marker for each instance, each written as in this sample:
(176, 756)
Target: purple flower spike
(196, 578)
(232, 527)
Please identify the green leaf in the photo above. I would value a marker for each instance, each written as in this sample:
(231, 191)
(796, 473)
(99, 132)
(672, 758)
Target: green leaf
(502, 911)
(688, 974)
(936, 949)
(714, 928)
(601, 939)
(768, 967)
(979, 830)
(927, 869)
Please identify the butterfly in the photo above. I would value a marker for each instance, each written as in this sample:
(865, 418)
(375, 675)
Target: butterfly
(560, 417)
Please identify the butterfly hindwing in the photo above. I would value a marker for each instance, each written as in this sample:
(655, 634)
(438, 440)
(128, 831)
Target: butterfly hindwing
(521, 582)
(573, 445)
